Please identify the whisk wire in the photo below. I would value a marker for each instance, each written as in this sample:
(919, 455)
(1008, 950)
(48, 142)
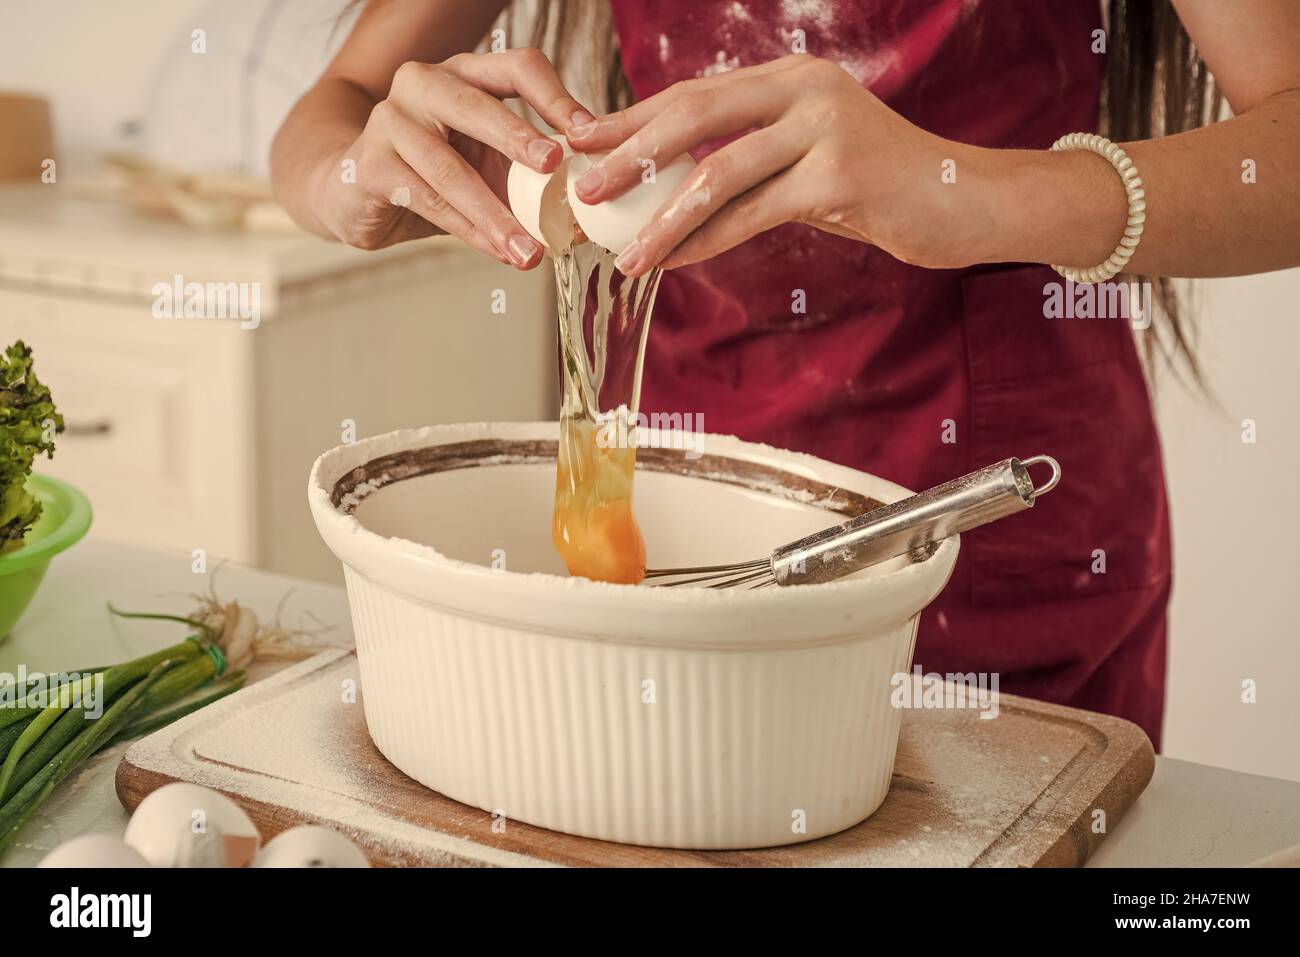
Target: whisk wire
(912, 526)
(719, 576)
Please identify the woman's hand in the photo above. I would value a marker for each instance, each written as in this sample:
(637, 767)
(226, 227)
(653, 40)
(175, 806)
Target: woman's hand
(815, 148)
(434, 155)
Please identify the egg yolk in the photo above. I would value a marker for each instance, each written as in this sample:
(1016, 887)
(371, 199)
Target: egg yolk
(593, 526)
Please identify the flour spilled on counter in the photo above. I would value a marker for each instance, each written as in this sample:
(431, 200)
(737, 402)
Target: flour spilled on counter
(963, 792)
(980, 792)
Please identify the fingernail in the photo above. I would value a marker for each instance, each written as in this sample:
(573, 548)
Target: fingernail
(582, 131)
(539, 151)
(628, 260)
(581, 118)
(522, 249)
(591, 180)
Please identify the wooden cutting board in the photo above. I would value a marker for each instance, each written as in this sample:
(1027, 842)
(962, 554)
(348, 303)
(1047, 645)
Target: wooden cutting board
(1023, 789)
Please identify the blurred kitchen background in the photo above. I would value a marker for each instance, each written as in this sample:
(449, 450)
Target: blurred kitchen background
(193, 430)
(194, 433)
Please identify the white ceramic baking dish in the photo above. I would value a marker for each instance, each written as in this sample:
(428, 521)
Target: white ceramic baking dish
(679, 717)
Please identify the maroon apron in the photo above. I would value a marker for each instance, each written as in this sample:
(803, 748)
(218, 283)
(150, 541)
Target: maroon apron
(921, 375)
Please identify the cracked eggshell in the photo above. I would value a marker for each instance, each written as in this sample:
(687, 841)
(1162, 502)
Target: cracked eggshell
(185, 825)
(310, 846)
(94, 850)
(537, 200)
(615, 222)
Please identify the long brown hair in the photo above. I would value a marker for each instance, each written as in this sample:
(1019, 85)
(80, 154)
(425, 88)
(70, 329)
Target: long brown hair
(1156, 84)
(567, 28)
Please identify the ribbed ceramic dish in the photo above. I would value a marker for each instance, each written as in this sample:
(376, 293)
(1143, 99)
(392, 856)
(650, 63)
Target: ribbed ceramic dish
(672, 717)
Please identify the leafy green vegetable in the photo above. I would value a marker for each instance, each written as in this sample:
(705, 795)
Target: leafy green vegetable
(28, 424)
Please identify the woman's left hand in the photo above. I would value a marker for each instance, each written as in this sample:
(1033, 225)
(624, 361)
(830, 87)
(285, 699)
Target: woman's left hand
(815, 148)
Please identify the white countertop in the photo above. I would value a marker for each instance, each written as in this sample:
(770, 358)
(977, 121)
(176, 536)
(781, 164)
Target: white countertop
(1190, 815)
(54, 238)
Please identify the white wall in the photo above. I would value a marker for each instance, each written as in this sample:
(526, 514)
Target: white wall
(106, 64)
(1236, 521)
(93, 59)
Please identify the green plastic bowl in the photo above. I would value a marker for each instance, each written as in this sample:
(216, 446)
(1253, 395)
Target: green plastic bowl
(65, 516)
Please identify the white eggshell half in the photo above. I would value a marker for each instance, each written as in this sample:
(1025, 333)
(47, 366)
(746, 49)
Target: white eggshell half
(310, 847)
(616, 222)
(163, 829)
(94, 850)
(537, 200)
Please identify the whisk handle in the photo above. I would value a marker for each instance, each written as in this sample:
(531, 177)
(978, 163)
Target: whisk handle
(913, 525)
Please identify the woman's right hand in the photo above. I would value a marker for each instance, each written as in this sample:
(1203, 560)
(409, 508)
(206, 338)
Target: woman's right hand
(434, 155)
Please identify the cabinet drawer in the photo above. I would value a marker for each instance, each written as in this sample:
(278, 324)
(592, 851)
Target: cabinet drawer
(151, 412)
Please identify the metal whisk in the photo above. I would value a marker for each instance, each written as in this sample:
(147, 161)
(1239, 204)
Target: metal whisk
(910, 526)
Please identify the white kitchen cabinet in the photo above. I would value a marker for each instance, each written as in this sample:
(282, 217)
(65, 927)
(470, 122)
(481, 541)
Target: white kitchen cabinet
(197, 433)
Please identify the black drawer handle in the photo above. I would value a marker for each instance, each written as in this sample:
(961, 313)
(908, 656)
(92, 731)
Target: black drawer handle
(96, 427)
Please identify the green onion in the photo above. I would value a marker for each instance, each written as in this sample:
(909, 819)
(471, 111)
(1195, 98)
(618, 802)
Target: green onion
(8, 736)
(13, 715)
(187, 677)
(114, 680)
(161, 719)
(33, 732)
(40, 746)
(184, 677)
(136, 668)
(15, 812)
(155, 616)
